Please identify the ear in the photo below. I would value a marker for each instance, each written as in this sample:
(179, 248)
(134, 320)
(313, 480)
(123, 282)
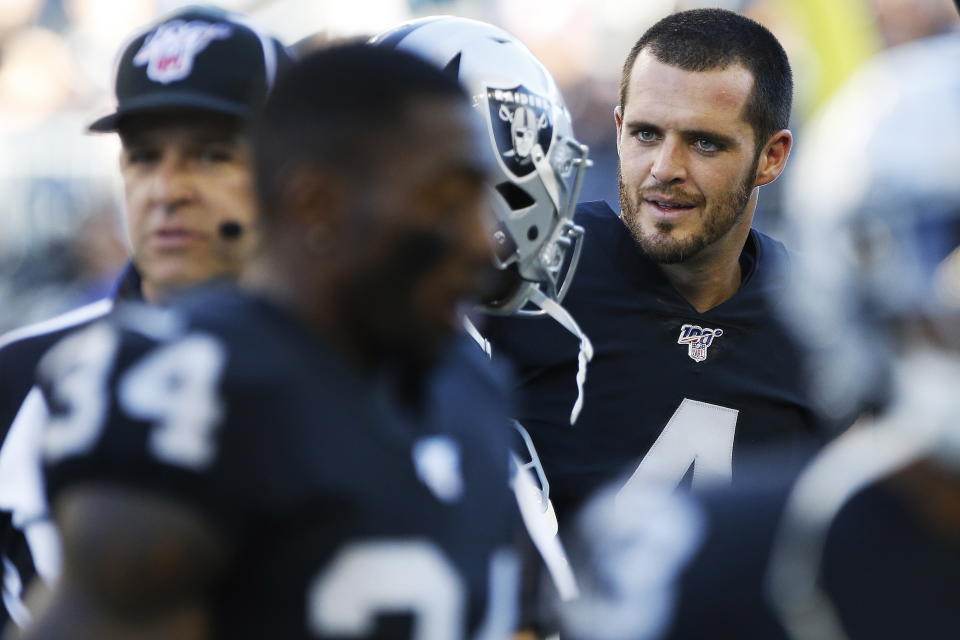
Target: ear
(773, 157)
(313, 196)
(618, 118)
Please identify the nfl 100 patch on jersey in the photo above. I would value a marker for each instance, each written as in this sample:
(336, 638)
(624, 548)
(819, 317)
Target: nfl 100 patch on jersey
(698, 340)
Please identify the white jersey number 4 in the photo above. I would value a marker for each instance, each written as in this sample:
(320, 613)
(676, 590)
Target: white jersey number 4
(698, 434)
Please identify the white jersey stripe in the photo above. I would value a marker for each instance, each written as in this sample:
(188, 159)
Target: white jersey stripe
(66, 320)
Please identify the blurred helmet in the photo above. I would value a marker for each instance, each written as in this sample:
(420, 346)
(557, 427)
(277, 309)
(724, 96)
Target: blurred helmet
(873, 209)
(538, 166)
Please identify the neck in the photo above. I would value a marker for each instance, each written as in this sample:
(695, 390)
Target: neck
(713, 276)
(154, 293)
(293, 282)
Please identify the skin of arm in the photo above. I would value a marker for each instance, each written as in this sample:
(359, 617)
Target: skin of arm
(136, 566)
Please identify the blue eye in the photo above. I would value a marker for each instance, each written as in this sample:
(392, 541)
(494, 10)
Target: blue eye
(645, 135)
(706, 146)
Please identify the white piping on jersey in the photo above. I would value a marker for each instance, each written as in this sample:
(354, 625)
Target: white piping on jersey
(539, 521)
(66, 320)
(477, 336)
(542, 526)
(13, 595)
(22, 488)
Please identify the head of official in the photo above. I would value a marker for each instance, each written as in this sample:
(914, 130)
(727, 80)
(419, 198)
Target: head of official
(186, 90)
(705, 99)
(371, 184)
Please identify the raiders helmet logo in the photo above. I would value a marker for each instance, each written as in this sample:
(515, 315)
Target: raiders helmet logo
(521, 122)
(168, 52)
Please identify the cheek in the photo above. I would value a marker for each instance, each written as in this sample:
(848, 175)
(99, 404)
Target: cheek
(634, 162)
(236, 196)
(135, 207)
(721, 181)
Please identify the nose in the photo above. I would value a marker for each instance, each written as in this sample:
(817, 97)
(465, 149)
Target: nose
(669, 162)
(172, 184)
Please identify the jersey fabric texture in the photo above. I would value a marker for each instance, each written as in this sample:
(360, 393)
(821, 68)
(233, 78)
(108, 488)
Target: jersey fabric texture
(711, 383)
(20, 351)
(888, 571)
(352, 513)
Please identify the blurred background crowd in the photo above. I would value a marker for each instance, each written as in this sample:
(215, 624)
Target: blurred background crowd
(60, 225)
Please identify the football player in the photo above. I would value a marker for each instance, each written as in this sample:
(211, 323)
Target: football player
(863, 544)
(186, 88)
(691, 365)
(262, 461)
(538, 167)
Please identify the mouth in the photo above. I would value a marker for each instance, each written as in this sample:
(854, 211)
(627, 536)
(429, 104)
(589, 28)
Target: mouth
(669, 208)
(175, 238)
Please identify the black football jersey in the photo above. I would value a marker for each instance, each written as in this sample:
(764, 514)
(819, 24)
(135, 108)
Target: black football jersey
(20, 351)
(887, 569)
(888, 572)
(672, 395)
(352, 515)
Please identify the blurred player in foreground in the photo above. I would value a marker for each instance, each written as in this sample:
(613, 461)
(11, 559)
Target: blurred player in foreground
(260, 462)
(691, 365)
(538, 167)
(865, 543)
(186, 89)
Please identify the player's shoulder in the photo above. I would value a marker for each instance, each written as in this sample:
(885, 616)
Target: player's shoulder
(770, 251)
(266, 348)
(219, 310)
(465, 359)
(771, 262)
(22, 350)
(133, 328)
(595, 213)
(469, 390)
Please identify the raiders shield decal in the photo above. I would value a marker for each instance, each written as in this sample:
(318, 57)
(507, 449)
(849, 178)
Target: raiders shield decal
(521, 121)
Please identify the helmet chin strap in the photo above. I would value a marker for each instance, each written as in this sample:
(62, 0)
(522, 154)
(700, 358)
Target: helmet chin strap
(553, 309)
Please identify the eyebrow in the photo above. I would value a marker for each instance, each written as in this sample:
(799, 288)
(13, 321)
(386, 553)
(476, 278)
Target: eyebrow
(199, 138)
(719, 139)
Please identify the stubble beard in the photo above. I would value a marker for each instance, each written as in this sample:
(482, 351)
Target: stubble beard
(718, 218)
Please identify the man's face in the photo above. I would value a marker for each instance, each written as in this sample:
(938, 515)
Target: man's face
(431, 246)
(184, 176)
(687, 157)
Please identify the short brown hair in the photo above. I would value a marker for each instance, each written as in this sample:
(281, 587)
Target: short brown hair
(708, 39)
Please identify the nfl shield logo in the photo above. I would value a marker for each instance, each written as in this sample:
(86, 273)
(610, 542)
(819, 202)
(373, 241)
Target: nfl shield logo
(522, 127)
(698, 340)
(168, 52)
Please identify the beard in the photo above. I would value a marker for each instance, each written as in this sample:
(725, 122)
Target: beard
(717, 219)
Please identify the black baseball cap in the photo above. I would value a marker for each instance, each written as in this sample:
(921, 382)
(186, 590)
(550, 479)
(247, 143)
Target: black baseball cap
(198, 58)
